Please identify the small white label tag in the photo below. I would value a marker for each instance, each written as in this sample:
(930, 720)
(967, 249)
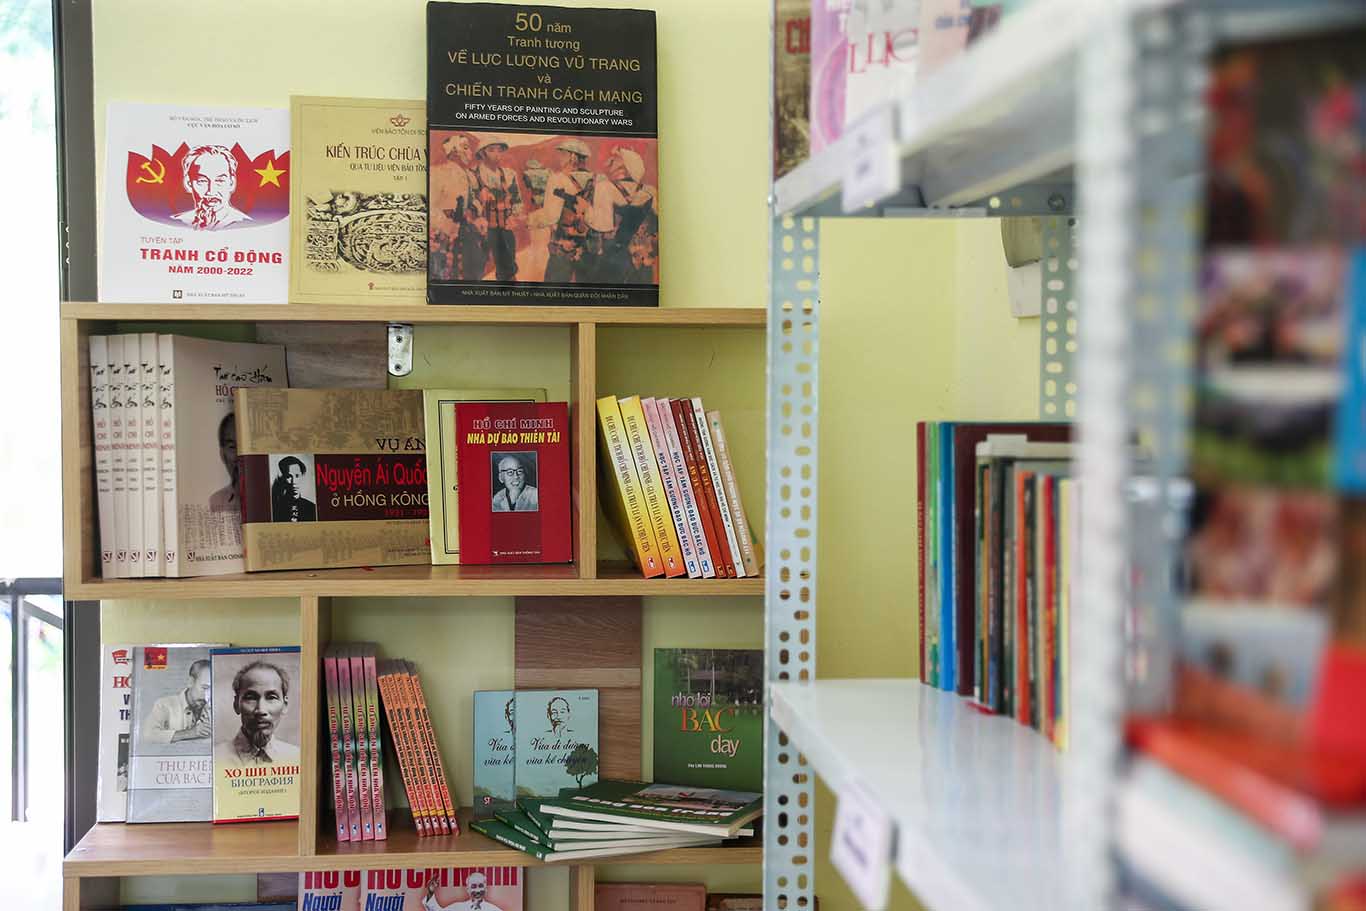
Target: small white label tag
(861, 847)
(871, 172)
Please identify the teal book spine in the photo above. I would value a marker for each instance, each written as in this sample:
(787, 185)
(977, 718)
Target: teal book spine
(494, 752)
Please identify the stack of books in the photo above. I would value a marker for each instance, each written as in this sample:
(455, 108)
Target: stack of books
(622, 817)
(349, 672)
(670, 487)
(419, 757)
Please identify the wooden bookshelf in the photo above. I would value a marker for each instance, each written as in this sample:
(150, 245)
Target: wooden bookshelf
(110, 851)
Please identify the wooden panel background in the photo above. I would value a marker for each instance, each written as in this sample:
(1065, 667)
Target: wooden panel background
(588, 643)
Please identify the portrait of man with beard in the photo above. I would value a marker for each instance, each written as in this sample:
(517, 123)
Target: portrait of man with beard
(260, 699)
(209, 174)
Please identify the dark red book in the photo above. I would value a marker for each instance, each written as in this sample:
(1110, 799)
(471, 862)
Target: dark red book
(966, 436)
(1047, 612)
(513, 471)
(707, 504)
(921, 469)
(1023, 545)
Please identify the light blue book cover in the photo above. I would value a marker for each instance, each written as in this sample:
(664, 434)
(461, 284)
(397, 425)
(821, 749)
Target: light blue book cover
(557, 740)
(947, 678)
(494, 752)
(1351, 419)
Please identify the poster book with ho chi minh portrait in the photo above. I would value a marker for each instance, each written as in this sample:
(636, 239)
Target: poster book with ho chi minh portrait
(543, 151)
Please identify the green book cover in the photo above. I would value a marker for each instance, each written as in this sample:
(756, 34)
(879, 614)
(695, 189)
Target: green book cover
(522, 823)
(505, 834)
(708, 717)
(708, 811)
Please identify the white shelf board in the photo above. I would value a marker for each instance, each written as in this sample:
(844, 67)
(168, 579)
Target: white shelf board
(999, 115)
(976, 799)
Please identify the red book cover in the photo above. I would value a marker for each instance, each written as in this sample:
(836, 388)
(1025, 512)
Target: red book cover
(335, 741)
(362, 729)
(965, 439)
(684, 417)
(348, 726)
(1047, 611)
(688, 442)
(513, 469)
(1021, 545)
(920, 467)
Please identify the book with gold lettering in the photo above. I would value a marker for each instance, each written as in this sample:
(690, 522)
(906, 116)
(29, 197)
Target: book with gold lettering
(359, 194)
(543, 142)
(332, 477)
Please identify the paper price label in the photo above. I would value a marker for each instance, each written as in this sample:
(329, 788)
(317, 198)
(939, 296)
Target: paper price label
(871, 172)
(861, 847)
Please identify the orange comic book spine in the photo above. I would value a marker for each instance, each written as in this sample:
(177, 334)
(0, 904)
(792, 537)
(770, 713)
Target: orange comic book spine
(439, 768)
(397, 727)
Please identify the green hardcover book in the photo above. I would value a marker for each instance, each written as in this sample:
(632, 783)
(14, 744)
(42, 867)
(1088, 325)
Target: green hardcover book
(521, 822)
(501, 832)
(709, 722)
(678, 808)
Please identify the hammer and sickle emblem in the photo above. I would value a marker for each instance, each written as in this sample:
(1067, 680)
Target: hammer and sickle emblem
(155, 175)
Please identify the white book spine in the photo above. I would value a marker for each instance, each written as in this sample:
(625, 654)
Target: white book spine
(672, 494)
(690, 508)
(170, 525)
(99, 420)
(704, 433)
(118, 476)
(132, 452)
(732, 485)
(154, 561)
(116, 691)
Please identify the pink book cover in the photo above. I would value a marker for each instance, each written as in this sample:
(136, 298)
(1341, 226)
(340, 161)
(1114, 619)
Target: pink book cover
(335, 736)
(672, 492)
(829, 70)
(363, 760)
(376, 753)
(348, 726)
(691, 504)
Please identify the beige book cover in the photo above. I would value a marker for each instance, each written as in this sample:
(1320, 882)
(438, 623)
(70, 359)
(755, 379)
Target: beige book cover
(443, 487)
(359, 194)
(208, 516)
(332, 477)
(256, 733)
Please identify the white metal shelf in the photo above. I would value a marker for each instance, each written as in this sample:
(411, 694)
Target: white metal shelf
(976, 799)
(996, 117)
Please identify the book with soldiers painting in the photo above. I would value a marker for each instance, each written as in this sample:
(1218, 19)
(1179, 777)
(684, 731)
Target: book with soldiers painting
(332, 477)
(543, 145)
(360, 194)
(256, 732)
(513, 472)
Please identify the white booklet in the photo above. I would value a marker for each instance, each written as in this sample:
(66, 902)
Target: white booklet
(195, 205)
(116, 693)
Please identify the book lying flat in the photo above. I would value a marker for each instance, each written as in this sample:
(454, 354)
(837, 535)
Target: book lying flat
(505, 834)
(530, 807)
(700, 811)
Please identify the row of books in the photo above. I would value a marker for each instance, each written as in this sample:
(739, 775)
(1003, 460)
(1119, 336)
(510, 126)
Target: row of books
(351, 678)
(622, 817)
(193, 733)
(999, 546)
(669, 486)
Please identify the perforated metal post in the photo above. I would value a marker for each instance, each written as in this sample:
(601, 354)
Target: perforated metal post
(790, 583)
(1058, 320)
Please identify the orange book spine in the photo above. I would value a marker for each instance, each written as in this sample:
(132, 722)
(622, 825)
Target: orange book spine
(398, 727)
(700, 475)
(431, 796)
(651, 486)
(439, 766)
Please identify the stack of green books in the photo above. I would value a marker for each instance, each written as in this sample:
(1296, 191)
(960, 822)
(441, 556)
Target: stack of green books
(622, 817)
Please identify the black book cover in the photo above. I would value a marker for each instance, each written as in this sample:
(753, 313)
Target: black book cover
(542, 133)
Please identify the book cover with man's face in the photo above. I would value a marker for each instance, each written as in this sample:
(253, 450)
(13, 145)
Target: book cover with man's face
(557, 740)
(255, 733)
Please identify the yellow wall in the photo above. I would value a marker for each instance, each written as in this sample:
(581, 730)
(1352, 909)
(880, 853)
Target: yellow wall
(911, 312)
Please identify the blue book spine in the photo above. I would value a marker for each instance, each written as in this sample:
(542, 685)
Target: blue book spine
(947, 647)
(1351, 417)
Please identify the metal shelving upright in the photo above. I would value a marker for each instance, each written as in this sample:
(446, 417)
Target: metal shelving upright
(1092, 100)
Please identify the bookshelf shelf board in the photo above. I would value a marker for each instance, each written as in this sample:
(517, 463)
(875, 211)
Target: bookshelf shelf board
(560, 580)
(729, 317)
(976, 799)
(403, 848)
(173, 849)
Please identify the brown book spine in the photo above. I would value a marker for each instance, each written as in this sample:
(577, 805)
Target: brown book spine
(438, 767)
(749, 550)
(393, 710)
(700, 476)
